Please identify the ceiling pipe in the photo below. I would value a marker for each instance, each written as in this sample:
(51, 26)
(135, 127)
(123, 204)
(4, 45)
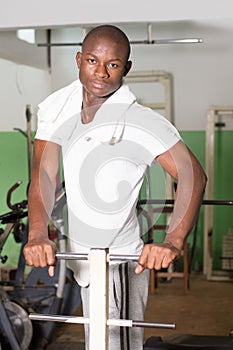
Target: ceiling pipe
(148, 41)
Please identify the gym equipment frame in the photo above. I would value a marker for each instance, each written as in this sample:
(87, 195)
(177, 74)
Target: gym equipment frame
(98, 319)
(59, 294)
(155, 76)
(213, 113)
(165, 79)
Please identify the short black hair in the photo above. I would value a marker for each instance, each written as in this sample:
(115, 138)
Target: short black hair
(115, 33)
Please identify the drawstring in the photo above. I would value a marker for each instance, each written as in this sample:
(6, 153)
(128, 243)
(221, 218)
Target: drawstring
(114, 139)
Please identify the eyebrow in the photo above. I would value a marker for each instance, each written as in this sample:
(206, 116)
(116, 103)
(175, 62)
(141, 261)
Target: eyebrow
(112, 59)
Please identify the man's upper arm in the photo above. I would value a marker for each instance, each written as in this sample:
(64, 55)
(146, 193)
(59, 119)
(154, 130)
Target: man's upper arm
(45, 159)
(179, 158)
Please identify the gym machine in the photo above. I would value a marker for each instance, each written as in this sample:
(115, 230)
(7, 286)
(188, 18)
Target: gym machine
(215, 118)
(98, 320)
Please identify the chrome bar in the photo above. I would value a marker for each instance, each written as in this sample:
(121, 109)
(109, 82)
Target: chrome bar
(118, 257)
(144, 324)
(111, 257)
(153, 324)
(58, 318)
(110, 322)
(71, 256)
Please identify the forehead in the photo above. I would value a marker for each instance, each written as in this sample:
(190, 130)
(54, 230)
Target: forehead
(105, 45)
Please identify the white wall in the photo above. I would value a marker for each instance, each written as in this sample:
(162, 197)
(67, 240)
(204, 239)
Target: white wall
(20, 85)
(202, 73)
(19, 51)
(63, 63)
(53, 13)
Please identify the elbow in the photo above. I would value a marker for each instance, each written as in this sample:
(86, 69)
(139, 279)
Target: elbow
(202, 180)
(205, 179)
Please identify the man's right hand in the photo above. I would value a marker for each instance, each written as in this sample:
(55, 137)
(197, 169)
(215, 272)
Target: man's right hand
(41, 253)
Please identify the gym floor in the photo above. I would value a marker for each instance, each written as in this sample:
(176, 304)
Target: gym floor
(207, 309)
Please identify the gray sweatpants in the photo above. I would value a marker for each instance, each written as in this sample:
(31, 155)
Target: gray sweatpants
(127, 300)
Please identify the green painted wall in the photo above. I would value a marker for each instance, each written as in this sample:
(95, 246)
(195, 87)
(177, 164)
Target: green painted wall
(223, 218)
(196, 142)
(13, 167)
(223, 188)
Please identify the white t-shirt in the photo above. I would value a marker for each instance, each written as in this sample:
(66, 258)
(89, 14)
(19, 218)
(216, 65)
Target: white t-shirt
(104, 165)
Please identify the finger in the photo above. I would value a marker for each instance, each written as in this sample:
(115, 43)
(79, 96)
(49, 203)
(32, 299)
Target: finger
(27, 256)
(166, 262)
(50, 256)
(163, 260)
(42, 260)
(139, 268)
(51, 259)
(151, 261)
(142, 261)
(158, 264)
(51, 270)
(159, 260)
(168, 259)
(35, 260)
(144, 255)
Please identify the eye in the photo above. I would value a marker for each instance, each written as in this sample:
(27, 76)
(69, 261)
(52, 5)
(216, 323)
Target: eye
(113, 65)
(91, 60)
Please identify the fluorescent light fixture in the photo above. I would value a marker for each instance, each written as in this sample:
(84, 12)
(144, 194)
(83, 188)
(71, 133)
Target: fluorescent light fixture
(27, 35)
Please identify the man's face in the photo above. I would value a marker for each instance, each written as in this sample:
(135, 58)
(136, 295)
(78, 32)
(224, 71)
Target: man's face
(102, 65)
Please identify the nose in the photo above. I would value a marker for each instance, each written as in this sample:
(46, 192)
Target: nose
(101, 71)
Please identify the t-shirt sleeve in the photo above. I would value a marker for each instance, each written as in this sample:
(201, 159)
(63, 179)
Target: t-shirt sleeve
(153, 134)
(163, 137)
(52, 113)
(46, 129)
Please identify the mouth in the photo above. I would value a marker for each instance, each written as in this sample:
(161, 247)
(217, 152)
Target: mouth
(97, 84)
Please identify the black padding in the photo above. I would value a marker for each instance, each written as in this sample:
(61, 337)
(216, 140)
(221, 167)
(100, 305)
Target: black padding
(190, 342)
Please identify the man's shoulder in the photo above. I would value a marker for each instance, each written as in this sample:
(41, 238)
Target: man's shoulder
(71, 86)
(55, 102)
(140, 110)
(64, 91)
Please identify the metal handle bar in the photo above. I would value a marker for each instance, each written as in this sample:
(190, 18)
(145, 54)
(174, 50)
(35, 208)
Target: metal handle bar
(18, 211)
(172, 201)
(110, 322)
(111, 257)
(143, 212)
(16, 206)
(13, 216)
(99, 288)
(59, 204)
(9, 193)
(28, 113)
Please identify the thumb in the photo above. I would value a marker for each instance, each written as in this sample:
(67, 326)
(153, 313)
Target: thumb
(51, 270)
(139, 269)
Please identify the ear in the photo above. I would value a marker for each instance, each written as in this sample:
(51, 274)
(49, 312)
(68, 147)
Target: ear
(78, 59)
(127, 68)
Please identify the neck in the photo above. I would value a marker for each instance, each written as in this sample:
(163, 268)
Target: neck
(90, 106)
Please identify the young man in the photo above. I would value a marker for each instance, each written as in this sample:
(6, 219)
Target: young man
(107, 141)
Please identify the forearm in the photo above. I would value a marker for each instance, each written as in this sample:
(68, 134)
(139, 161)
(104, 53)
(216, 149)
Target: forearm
(183, 166)
(42, 188)
(40, 204)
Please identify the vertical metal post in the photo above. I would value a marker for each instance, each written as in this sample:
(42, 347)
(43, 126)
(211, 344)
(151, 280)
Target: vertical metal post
(29, 139)
(98, 333)
(208, 210)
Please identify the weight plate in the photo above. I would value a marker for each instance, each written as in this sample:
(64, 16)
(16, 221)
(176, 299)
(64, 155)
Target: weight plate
(20, 322)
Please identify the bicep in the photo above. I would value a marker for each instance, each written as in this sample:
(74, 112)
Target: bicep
(46, 157)
(179, 159)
